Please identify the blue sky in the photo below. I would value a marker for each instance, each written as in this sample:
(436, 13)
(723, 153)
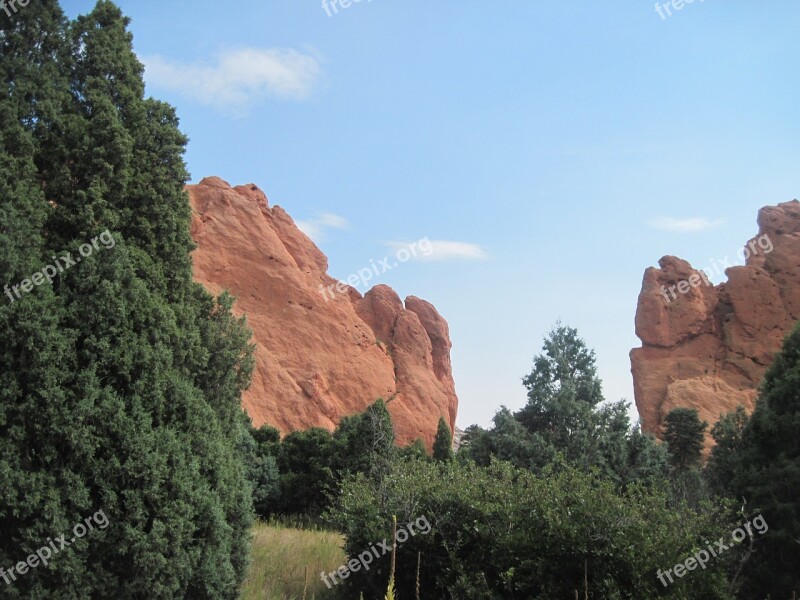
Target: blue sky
(560, 148)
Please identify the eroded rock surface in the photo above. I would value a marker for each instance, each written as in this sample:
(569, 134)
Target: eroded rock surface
(319, 357)
(709, 347)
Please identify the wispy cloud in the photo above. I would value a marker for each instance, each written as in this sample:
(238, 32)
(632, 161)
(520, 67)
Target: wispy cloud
(441, 250)
(237, 80)
(317, 227)
(692, 225)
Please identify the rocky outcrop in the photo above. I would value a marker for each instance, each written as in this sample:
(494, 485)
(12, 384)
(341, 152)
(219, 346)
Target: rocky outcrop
(322, 352)
(707, 347)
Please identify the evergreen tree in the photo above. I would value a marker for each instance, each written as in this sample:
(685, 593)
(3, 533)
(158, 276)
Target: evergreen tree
(365, 442)
(415, 451)
(443, 444)
(727, 433)
(261, 449)
(767, 476)
(121, 379)
(684, 434)
(307, 476)
(563, 414)
(648, 461)
(507, 440)
(565, 420)
(125, 156)
(563, 387)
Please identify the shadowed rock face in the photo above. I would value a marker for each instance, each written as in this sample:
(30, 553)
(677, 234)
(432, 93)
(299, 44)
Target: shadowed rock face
(709, 347)
(318, 359)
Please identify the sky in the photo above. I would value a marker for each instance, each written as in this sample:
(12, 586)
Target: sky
(549, 151)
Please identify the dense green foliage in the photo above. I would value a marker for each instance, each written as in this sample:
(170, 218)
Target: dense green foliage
(305, 463)
(414, 451)
(259, 452)
(684, 434)
(727, 434)
(767, 475)
(365, 442)
(121, 381)
(580, 496)
(443, 444)
(565, 420)
(500, 532)
(309, 464)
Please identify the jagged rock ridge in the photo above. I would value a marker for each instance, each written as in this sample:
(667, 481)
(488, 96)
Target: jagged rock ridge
(705, 346)
(319, 357)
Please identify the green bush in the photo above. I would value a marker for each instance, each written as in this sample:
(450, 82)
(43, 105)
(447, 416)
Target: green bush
(500, 532)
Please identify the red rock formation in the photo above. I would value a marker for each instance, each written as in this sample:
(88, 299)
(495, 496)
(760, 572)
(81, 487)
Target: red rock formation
(709, 347)
(319, 357)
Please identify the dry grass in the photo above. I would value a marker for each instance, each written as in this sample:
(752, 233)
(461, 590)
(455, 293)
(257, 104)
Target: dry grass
(280, 557)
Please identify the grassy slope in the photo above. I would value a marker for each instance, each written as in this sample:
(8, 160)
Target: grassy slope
(279, 557)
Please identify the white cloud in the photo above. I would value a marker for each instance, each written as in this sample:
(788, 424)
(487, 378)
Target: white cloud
(441, 250)
(315, 228)
(692, 225)
(238, 79)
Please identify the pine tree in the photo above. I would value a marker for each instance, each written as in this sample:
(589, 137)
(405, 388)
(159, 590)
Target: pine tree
(727, 433)
(566, 421)
(684, 434)
(365, 442)
(564, 414)
(563, 390)
(767, 476)
(443, 444)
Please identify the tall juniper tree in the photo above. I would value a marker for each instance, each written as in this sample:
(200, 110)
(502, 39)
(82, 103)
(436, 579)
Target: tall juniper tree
(443, 444)
(767, 475)
(120, 382)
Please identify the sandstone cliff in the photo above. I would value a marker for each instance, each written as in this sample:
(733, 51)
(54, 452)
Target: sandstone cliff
(707, 347)
(318, 359)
